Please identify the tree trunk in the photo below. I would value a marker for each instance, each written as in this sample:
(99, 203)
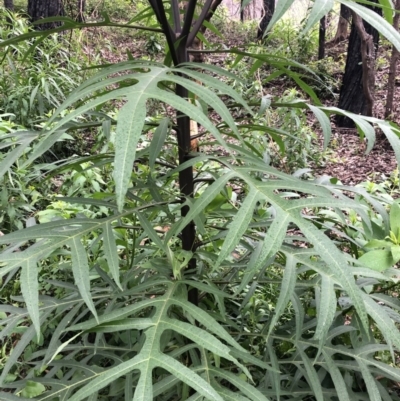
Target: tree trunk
(343, 26)
(9, 4)
(368, 63)
(269, 9)
(253, 10)
(392, 68)
(354, 96)
(321, 38)
(38, 9)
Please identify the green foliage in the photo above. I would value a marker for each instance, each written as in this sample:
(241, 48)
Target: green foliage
(300, 143)
(19, 194)
(101, 306)
(34, 79)
(118, 9)
(285, 40)
(32, 389)
(153, 47)
(20, 5)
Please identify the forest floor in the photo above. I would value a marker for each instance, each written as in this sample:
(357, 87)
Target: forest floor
(349, 161)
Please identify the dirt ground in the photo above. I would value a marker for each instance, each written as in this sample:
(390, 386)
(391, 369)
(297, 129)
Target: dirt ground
(350, 163)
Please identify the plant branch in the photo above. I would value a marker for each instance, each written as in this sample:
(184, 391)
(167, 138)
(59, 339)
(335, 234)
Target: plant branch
(188, 18)
(199, 22)
(159, 10)
(385, 289)
(186, 185)
(177, 17)
(211, 12)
